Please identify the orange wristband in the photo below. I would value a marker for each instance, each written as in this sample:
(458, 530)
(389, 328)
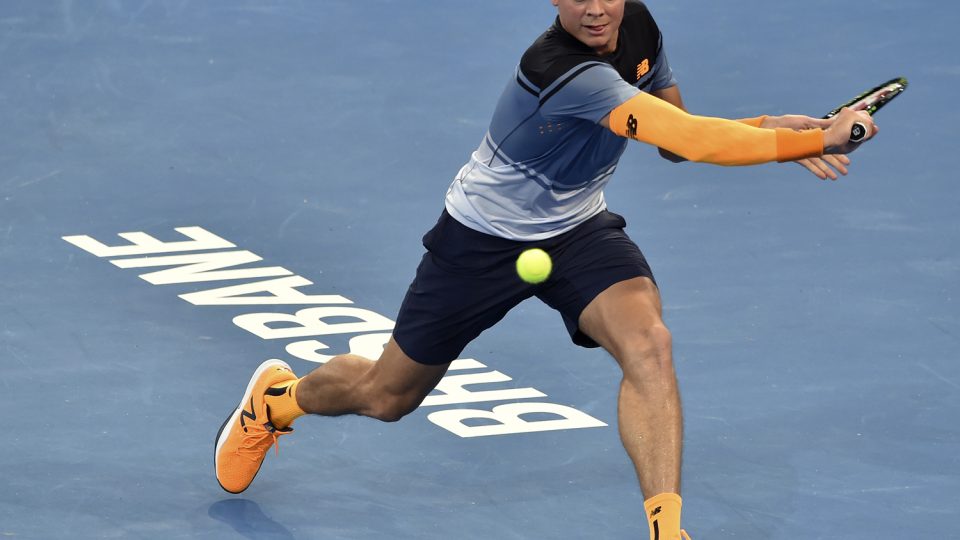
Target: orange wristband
(793, 145)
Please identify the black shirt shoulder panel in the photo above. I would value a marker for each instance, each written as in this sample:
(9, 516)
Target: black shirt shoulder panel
(556, 52)
(639, 43)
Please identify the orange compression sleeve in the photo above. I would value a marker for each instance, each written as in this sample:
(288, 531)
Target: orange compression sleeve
(709, 140)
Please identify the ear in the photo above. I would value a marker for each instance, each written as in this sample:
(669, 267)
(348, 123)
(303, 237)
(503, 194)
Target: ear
(555, 2)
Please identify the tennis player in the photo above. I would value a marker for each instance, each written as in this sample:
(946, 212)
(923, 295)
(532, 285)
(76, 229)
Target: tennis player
(596, 78)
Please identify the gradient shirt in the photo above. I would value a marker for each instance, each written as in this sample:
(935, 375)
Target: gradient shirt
(542, 165)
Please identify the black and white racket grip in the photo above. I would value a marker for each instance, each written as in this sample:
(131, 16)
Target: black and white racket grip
(858, 132)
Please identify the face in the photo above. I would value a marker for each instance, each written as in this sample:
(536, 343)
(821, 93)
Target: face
(594, 22)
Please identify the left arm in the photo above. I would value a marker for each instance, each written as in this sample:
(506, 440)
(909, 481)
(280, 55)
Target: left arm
(823, 167)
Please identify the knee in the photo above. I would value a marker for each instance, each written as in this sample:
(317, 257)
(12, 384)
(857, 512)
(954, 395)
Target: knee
(392, 408)
(646, 351)
(659, 337)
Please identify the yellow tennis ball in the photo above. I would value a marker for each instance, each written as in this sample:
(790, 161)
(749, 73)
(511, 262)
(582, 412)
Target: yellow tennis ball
(534, 265)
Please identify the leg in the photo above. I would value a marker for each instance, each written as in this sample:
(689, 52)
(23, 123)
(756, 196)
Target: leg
(387, 389)
(626, 320)
(465, 283)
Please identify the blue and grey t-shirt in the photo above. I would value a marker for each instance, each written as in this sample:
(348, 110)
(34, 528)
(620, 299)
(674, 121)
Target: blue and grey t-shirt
(542, 165)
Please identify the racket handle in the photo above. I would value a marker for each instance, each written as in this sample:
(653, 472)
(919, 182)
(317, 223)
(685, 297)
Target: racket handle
(858, 132)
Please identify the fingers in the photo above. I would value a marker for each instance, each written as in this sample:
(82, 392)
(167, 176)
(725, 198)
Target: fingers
(837, 136)
(863, 117)
(822, 123)
(811, 165)
(797, 122)
(838, 162)
(844, 159)
(826, 167)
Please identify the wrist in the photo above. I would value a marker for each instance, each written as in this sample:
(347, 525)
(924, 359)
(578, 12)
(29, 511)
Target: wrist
(831, 141)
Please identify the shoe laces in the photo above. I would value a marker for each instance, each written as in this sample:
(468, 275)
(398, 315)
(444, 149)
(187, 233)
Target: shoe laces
(257, 439)
(684, 534)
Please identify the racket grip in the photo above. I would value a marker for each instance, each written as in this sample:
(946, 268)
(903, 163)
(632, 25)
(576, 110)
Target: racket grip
(858, 132)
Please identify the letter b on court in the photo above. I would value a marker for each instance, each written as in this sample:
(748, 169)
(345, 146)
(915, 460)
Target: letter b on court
(508, 419)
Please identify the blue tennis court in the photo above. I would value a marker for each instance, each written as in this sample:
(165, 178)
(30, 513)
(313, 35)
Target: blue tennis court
(305, 147)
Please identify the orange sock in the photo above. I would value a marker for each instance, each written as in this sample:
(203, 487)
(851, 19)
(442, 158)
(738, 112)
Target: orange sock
(282, 404)
(663, 514)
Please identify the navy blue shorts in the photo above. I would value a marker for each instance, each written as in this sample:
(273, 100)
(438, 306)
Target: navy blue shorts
(467, 282)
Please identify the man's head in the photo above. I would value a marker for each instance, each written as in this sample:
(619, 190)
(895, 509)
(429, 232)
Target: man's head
(594, 22)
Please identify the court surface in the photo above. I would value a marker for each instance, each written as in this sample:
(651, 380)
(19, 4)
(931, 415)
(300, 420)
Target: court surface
(816, 324)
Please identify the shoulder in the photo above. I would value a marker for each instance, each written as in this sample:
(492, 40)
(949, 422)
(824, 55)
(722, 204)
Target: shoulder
(634, 9)
(639, 23)
(552, 55)
(640, 45)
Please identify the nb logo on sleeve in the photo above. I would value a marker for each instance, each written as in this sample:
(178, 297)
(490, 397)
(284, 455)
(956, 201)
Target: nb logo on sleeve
(632, 127)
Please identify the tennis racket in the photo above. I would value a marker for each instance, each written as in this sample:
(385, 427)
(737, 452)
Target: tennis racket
(871, 101)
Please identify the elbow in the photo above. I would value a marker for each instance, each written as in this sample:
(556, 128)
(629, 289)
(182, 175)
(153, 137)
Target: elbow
(670, 156)
(712, 156)
(696, 155)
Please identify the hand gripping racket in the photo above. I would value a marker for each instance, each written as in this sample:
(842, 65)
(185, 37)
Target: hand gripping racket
(871, 101)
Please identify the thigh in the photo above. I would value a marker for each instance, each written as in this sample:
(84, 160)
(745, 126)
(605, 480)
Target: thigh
(587, 262)
(621, 312)
(396, 374)
(466, 283)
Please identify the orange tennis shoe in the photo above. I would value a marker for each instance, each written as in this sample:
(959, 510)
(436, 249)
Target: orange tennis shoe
(247, 434)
